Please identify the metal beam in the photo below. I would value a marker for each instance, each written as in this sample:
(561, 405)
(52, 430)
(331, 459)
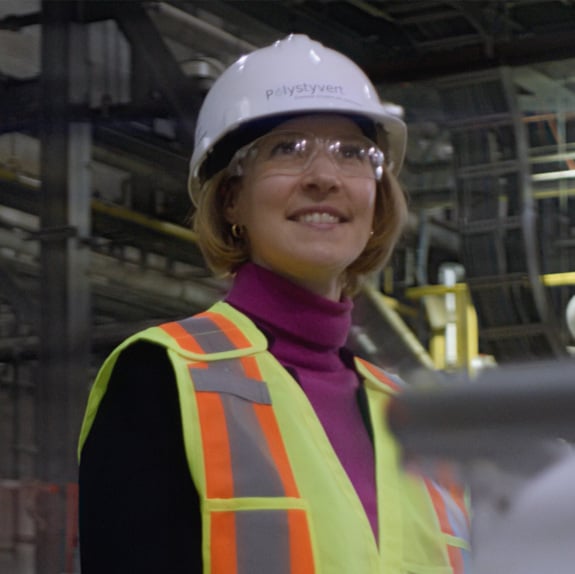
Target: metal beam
(64, 324)
(19, 105)
(199, 34)
(20, 100)
(22, 304)
(147, 43)
(497, 218)
(15, 22)
(543, 88)
(286, 18)
(438, 63)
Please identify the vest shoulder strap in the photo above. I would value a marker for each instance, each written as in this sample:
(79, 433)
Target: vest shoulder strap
(392, 383)
(219, 333)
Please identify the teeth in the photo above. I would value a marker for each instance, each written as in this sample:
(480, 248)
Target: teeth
(318, 218)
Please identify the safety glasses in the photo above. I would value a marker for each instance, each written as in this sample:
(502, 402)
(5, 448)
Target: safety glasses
(291, 153)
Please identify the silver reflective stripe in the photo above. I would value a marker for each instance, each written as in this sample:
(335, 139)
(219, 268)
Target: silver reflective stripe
(263, 542)
(209, 336)
(221, 377)
(253, 468)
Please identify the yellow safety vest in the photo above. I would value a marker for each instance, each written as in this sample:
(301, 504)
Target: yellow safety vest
(274, 496)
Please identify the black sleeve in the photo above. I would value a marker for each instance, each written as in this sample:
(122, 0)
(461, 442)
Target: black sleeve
(139, 509)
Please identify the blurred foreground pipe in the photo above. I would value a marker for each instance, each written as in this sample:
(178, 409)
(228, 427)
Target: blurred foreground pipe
(502, 410)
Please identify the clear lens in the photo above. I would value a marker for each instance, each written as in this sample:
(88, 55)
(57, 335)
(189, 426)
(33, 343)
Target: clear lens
(291, 153)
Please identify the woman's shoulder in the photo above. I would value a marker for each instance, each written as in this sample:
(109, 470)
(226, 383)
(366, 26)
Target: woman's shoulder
(143, 370)
(142, 350)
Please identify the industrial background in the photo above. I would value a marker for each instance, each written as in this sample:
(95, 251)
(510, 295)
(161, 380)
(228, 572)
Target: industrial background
(98, 102)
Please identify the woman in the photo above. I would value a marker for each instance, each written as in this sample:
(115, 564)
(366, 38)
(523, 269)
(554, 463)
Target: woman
(247, 438)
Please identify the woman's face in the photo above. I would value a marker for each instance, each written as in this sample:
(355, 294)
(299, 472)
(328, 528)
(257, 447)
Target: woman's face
(308, 226)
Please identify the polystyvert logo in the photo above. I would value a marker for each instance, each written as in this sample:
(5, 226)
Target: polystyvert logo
(304, 90)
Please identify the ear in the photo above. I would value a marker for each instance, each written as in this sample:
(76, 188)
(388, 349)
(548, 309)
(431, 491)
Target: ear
(231, 202)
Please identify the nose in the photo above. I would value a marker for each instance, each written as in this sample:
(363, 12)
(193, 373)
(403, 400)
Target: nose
(321, 175)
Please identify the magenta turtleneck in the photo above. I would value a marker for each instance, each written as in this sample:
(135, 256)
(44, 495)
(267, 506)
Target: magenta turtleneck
(306, 334)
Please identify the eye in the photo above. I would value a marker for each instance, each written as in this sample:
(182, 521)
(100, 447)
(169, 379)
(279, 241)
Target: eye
(286, 147)
(281, 146)
(352, 151)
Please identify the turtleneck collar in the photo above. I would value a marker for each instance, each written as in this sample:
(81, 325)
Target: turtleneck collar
(290, 313)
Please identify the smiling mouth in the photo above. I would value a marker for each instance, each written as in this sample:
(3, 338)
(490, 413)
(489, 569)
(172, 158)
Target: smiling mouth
(321, 217)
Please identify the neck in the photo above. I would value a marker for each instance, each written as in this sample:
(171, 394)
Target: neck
(289, 310)
(328, 286)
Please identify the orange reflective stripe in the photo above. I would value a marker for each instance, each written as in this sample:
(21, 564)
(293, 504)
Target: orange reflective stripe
(269, 425)
(223, 548)
(236, 337)
(446, 476)
(454, 554)
(301, 553)
(182, 337)
(250, 367)
(380, 375)
(215, 442)
(455, 559)
(207, 333)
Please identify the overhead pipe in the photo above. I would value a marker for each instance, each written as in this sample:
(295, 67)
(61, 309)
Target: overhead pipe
(178, 25)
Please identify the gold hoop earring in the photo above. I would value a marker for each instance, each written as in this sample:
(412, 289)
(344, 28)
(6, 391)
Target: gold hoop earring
(237, 231)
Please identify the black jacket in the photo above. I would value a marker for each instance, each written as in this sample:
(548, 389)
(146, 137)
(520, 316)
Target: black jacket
(133, 463)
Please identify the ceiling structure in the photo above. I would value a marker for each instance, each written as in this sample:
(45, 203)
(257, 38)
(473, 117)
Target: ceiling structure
(397, 41)
(151, 63)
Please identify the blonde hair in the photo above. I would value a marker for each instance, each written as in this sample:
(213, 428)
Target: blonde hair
(225, 253)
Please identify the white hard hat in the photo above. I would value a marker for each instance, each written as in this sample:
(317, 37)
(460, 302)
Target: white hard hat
(292, 76)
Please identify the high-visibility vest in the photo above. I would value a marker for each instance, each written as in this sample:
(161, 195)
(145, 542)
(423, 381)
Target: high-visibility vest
(274, 496)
